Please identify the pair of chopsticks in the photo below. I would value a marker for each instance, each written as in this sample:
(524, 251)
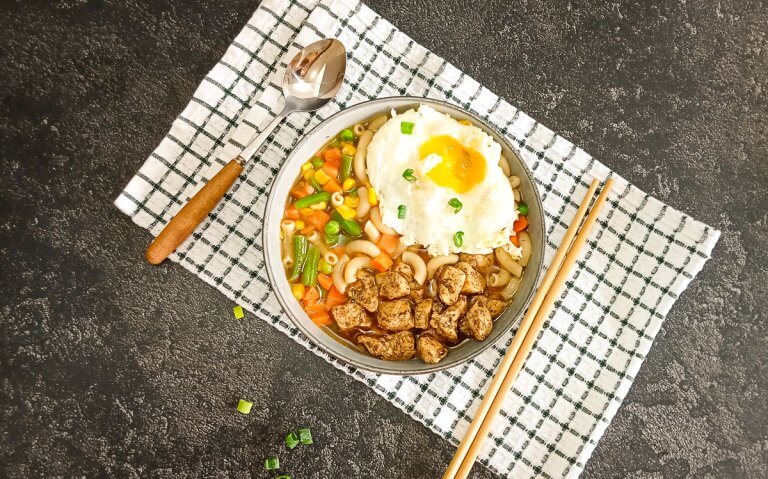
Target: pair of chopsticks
(551, 287)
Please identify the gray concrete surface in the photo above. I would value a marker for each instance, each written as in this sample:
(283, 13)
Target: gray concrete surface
(110, 367)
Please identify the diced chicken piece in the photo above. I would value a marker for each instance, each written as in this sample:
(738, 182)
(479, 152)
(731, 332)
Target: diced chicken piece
(429, 348)
(476, 260)
(395, 315)
(421, 315)
(392, 285)
(494, 306)
(445, 323)
(391, 347)
(417, 291)
(449, 284)
(350, 315)
(475, 282)
(364, 291)
(405, 270)
(477, 322)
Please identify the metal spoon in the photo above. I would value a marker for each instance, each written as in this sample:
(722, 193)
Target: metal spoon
(311, 80)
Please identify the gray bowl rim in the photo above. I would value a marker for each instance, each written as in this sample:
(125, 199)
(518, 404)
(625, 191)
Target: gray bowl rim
(390, 367)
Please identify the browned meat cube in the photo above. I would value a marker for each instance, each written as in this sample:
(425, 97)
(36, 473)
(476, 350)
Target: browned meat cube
(391, 347)
(395, 315)
(421, 315)
(494, 306)
(449, 284)
(476, 322)
(429, 348)
(417, 291)
(445, 323)
(350, 315)
(364, 291)
(392, 285)
(475, 282)
(405, 270)
(476, 260)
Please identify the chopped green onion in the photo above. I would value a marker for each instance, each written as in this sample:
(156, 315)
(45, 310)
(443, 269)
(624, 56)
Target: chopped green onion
(324, 267)
(305, 436)
(458, 239)
(522, 208)
(408, 175)
(347, 135)
(406, 127)
(238, 310)
(244, 407)
(455, 204)
(332, 227)
(312, 199)
(291, 440)
(401, 212)
(272, 463)
(317, 162)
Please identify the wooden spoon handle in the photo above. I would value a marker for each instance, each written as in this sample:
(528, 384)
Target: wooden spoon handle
(194, 212)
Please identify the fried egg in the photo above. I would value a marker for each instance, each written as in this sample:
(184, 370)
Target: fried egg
(439, 183)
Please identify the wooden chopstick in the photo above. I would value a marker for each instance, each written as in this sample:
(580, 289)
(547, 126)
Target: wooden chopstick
(521, 345)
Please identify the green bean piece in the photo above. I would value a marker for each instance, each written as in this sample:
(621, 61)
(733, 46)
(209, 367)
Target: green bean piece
(324, 267)
(347, 135)
(314, 184)
(309, 275)
(346, 167)
(351, 227)
(312, 199)
(299, 256)
(332, 227)
(332, 239)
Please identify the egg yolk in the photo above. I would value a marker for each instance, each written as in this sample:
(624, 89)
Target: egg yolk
(459, 169)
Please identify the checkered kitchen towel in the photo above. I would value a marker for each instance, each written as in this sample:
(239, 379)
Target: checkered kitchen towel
(642, 253)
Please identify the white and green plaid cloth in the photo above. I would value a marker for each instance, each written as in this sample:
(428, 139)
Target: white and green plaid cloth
(641, 256)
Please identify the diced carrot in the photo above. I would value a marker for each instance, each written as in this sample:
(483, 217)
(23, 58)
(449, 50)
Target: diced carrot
(292, 213)
(314, 308)
(335, 298)
(382, 262)
(332, 154)
(311, 295)
(308, 230)
(515, 240)
(318, 219)
(324, 281)
(388, 243)
(332, 186)
(520, 224)
(321, 318)
(331, 169)
(300, 190)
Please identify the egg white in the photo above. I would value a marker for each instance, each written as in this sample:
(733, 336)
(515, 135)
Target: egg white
(488, 209)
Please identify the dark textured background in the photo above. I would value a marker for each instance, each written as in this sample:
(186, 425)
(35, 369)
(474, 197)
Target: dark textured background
(110, 366)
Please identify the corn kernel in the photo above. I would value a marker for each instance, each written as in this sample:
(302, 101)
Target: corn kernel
(319, 206)
(465, 122)
(346, 212)
(348, 184)
(299, 224)
(308, 174)
(298, 291)
(348, 150)
(372, 198)
(306, 167)
(351, 202)
(322, 177)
